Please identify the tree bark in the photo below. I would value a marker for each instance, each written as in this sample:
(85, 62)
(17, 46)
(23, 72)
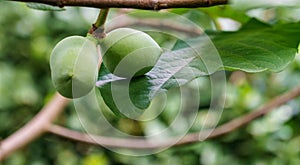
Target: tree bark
(137, 4)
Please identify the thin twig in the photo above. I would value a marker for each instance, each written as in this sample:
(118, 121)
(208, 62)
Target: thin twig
(98, 27)
(189, 138)
(33, 129)
(138, 4)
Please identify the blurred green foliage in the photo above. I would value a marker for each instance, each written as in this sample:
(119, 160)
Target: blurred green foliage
(27, 37)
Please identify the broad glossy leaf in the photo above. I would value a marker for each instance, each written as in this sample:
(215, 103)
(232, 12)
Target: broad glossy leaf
(132, 97)
(256, 47)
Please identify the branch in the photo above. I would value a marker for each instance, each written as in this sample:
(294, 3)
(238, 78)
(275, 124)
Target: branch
(138, 4)
(33, 129)
(189, 138)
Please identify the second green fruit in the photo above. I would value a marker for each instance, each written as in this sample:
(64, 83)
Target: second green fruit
(128, 52)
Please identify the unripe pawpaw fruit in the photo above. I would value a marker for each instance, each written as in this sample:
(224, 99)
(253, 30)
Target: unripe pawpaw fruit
(127, 52)
(73, 64)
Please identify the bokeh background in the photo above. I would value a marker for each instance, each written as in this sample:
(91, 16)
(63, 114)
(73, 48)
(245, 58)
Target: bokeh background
(27, 37)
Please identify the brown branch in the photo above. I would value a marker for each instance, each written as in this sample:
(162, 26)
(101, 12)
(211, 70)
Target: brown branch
(243, 120)
(138, 4)
(33, 129)
(189, 138)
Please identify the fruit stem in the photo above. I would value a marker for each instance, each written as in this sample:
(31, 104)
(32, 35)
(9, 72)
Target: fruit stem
(98, 27)
(101, 18)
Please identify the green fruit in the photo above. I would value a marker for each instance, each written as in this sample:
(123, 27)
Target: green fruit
(73, 65)
(128, 52)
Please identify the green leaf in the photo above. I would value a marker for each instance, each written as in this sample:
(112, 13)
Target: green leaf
(256, 47)
(173, 69)
(45, 7)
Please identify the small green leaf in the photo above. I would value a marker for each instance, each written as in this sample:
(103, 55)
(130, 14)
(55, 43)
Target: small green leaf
(45, 7)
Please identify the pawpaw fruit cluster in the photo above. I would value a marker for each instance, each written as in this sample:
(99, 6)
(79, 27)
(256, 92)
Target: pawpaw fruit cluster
(126, 53)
